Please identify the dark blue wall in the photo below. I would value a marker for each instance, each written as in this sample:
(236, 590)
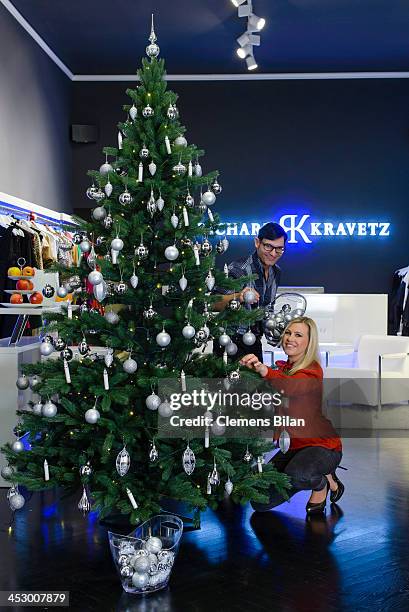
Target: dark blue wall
(337, 150)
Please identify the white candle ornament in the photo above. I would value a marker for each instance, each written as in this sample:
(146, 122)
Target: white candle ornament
(196, 252)
(168, 147)
(46, 470)
(140, 172)
(106, 380)
(185, 217)
(207, 438)
(183, 380)
(67, 372)
(131, 499)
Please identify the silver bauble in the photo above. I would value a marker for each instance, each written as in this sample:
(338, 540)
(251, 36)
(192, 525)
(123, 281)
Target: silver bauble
(62, 292)
(142, 251)
(179, 169)
(7, 471)
(108, 221)
(149, 313)
(125, 199)
(171, 112)
(153, 401)
(188, 332)
(126, 571)
(83, 348)
(67, 354)
(234, 376)
(234, 304)
(153, 545)
(201, 335)
(148, 111)
(23, 381)
(49, 410)
(99, 213)
(160, 203)
(220, 247)
(38, 409)
(165, 410)
(35, 381)
(270, 323)
(171, 253)
(250, 297)
(95, 277)
(86, 470)
(206, 248)
(180, 141)
(208, 198)
(106, 168)
(183, 282)
(100, 291)
(140, 581)
(298, 312)
(224, 339)
(152, 50)
(231, 349)
(17, 446)
(174, 221)
(130, 366)
(144, 152)
(249, 338)
(16, 502)
(91, 416)
(163, 339)
(228, 487)
(111, 317)
(198, 169)
(120, 288)
(225, 244)
(91, 191)
(85, 246)
(133, 112)
(190, 201)
(98, 196)
(216, 188)
(48, 291)
(117, 244)
(141, 564)
(152, 168)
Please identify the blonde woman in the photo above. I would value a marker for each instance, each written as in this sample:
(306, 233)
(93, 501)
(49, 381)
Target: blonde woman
(315, 449)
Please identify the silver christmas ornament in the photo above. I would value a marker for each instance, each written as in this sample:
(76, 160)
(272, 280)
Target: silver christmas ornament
(7, 472)
(141, 564)
(234, 376)
(250, 297)
(208, 198)
(188, 461)
(117, 244)
(174, 221)
(108, 221)
(153, 545)
(163, 339)
(188, 332)
(95, 277)
(142, 251)
(214, 478)
(38, 409)
(198, 169)
(108, 192)
(109, 358)
(171, 112)
(125, 199)
(180, 141)
(134, 281)
(206, 248)
(123, 462)
(111, 317)
(84, 505)
(225, 244)
(17, 446)
(153, 401)
(100, 291)
(140, 581)
(85, 246)
(201, 335)
(130, 366)
(48, 291)
(67, 354)
(99, 213)
(165, 410)
(151, 205)
(91, 191)
(231, 349)
(224, 339)
(220, 247)
(247, 456)
(91, 416)
(149, 314)
(183, 282)
(160, 203)
(105, 169)
(148, 111)
(133, 112)
(144, 152)
(16, 502)
(152, 168)
(86, 470)
(179, 169)
(153, 454)
(216, 188)
(120, 288)
(62, 291)
(228, 487)
(190, 201)
(171, 253)
(98, 196)
(234, 304)
(49, 409)
(249, 338)
(23, 381)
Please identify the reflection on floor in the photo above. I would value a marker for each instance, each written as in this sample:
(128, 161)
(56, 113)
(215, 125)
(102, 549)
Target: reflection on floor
(355, 559)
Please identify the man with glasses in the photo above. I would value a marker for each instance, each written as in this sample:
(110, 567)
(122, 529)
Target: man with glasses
(270, 246)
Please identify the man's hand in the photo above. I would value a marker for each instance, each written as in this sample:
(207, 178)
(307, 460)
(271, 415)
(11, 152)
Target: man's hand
(252, 363)
(243, 291)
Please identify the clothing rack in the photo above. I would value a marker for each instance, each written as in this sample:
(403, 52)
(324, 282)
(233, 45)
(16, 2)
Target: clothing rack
(21, 209)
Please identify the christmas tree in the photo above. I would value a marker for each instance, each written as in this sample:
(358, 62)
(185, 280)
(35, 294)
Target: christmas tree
(149, 267)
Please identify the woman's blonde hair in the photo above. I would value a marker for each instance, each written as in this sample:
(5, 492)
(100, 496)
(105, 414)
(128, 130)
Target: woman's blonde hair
(312, 353)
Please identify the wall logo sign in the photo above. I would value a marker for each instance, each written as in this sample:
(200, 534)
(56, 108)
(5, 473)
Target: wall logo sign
(301, 229)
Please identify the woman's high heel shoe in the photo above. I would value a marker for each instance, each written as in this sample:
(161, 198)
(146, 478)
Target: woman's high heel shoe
(319, 508)
(336, 495)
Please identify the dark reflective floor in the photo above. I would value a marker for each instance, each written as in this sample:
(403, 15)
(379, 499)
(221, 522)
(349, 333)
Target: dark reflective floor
(355, 559)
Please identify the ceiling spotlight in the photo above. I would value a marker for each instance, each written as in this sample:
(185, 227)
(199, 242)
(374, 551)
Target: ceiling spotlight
(245, 11)
(251, 62)
(244, 39)
(238, 2)
(256, 23)
(243, 52)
